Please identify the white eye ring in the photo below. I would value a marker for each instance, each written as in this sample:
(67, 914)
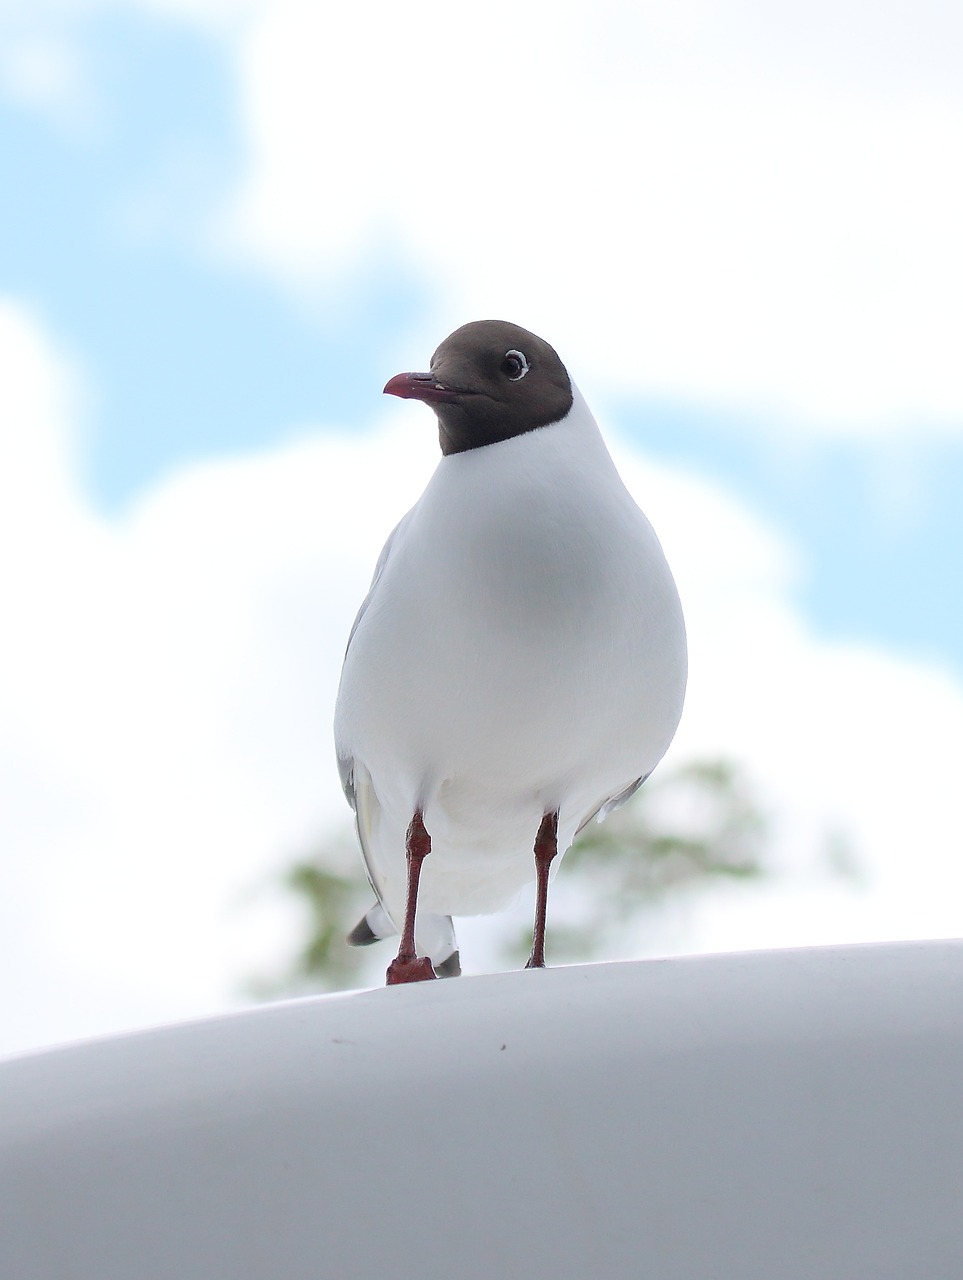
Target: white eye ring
(519, 355)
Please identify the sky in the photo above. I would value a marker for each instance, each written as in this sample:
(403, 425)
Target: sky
(224, 225)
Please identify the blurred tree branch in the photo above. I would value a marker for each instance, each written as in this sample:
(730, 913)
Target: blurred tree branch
(685, 827)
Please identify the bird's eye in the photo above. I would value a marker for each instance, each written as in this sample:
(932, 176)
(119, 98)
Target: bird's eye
(514, 366)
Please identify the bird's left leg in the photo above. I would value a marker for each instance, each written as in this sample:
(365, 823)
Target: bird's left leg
(546, 847)
(407, 966)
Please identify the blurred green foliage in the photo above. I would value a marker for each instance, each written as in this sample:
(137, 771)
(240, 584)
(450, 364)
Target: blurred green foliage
(684, 828)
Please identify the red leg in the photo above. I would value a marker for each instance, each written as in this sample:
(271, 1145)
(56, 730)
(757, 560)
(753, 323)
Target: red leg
(546, 847)
(407, 966)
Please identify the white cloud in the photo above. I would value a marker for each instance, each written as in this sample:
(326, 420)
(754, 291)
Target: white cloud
(749, 205)
(223, 14)
(167, 683)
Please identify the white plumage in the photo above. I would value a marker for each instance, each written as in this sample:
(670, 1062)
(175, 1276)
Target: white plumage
(521, 651)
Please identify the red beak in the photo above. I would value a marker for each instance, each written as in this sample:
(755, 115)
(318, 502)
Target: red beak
(420, 386)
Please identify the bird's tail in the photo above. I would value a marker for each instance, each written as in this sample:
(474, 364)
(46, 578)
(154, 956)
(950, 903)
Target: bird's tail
(434, 936)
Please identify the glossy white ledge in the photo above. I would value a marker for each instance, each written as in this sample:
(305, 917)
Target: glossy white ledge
(769, 1116)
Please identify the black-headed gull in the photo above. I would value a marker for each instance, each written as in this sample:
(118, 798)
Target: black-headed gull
(518, 666)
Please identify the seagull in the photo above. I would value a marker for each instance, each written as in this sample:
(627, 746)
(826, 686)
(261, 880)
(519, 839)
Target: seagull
(518, 666)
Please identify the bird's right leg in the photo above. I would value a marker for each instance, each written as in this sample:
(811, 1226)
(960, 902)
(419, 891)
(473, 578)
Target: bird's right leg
(546, 848)
(407, 966)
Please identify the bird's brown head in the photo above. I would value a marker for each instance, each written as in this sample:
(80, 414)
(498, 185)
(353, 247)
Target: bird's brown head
(489, 381)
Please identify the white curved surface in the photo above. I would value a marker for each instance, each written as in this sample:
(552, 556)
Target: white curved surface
(770, 1116)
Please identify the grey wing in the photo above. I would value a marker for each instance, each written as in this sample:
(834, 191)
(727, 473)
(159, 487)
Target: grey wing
(346, 763)
(614, 802)
(435, 933)
(361, 796)
(375, 577)
(365, 804)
